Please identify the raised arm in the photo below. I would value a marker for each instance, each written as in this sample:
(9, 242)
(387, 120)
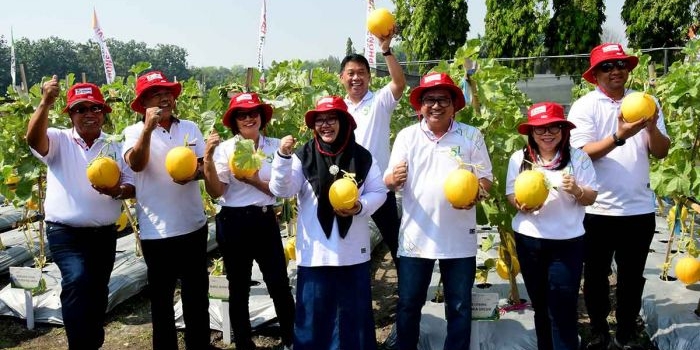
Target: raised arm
(398, 79)
(137, 157)
(39, 122)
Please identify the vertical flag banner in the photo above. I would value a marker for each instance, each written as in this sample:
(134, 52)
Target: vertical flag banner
(13, 73)
(110, 74)
(261, 40)
(370, 45)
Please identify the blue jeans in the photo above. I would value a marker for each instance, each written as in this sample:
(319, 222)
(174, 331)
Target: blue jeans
(251, 233)
(169, 259)
(628, 239)
(85, 257)
(552, 273)
(334, 308)
(414, 280)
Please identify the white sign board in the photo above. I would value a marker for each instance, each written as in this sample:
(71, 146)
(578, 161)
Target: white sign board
(484, 306)
(218, 287)
(25, 277)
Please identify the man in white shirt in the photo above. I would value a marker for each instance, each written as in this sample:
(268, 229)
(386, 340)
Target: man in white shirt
(172, 222)
(621, 221)
(424, 154)
(79, 217)
(372, 112)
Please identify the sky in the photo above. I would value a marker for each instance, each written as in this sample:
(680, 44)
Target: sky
(219, 32)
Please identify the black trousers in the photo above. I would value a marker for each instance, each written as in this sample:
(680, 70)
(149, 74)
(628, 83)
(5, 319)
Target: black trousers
(627, 238)
(252, 233)
(387, 220)
(169, 259)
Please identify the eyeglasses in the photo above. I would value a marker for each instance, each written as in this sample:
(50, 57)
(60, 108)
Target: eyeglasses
(553, 129)
(85, 109)
(242, 115)
(608, 66)
(327, 121)
(442, 102)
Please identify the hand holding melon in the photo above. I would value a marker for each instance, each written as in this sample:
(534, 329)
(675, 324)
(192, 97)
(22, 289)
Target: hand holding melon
(246, 160)
(103, 172)
(461, 188)
(181, 164)
(381, 23)
(637, 106)
(531, 190)
(344, 195)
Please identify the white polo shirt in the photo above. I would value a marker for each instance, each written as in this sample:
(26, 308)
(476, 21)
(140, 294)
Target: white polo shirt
(622, 174)
(70, 198)
(165, 208)
(241, 194)
(430, 227)
(373, 118)
(560, 217)
(313, 247)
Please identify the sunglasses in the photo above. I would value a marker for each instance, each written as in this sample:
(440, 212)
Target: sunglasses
(243, 115)
(85, 109)
(442, 102)
(608, 66)
(553, 129)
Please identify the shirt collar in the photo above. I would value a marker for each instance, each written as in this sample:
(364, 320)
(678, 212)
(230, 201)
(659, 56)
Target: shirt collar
(80, 141)
(368, 96)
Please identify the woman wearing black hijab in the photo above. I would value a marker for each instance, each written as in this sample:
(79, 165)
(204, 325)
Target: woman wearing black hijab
(334, 305)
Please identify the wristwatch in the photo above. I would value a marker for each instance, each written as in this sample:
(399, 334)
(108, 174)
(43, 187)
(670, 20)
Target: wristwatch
(617, 141)
(387, 53)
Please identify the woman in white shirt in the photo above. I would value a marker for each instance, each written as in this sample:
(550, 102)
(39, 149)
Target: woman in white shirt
(549, 238)
(334, 304)
(246, 226)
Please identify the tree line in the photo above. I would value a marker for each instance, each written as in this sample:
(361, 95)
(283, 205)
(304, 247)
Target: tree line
(53, 55)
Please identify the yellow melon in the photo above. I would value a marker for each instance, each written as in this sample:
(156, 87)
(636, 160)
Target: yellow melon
(103, 172)
(688, 270)
(343, 193)
(531, 188)
(12, 180)
(181, 163)
(246, 160)
(502, 269)
(380, 22)
(636, 106)
(461, 187)
(290, 250)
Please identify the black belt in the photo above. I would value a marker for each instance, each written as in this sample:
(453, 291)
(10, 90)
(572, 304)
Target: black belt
(82, 229)
(250, 209)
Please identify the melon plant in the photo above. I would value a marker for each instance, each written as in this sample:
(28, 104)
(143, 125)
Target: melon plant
(637, 106)
(343, 192)
(380, 22)
(246, 160)
(103, 172)
(461, 187)
(688, 270)
(531, 188)
(181, 163)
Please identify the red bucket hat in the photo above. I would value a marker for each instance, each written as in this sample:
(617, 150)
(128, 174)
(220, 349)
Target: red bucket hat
(247, 100)
(329, 103)
(437, 80)
(151, 80)
(544, 113)
(85, 92)
(607, 52)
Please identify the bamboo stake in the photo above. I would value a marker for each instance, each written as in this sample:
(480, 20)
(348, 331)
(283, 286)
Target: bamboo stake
(84, 76)
(132, 222)
(248, 78)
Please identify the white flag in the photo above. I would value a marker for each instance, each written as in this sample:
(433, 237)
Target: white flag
(110, 74)
(261, 39)
(13, 73)
(370, 45)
